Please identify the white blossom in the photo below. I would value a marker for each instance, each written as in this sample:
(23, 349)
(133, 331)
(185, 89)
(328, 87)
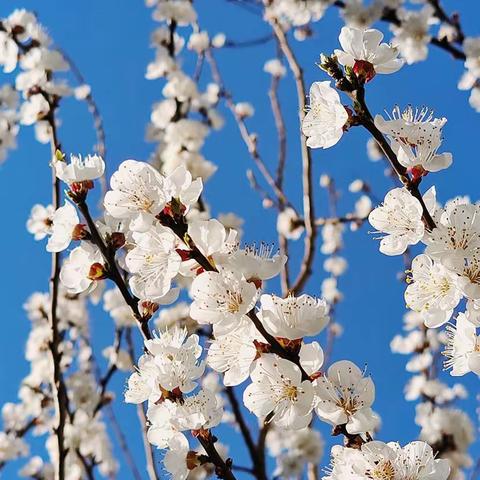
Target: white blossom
(344, 397)
(416, 137)
(325, 120)
(462, 350)
(138, 194)
(64, 220)
(39, 223)
(293, 317)
(153, 262)
(221, 299)
(277, 388)
(365, 45)
(79, 169)
(433, 291)
(400, 218)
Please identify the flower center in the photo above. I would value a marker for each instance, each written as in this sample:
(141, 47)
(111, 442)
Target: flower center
(383, 471)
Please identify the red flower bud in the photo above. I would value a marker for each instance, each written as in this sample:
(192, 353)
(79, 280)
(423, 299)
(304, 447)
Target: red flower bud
(80, 232)
(184, 254)
(97, 272)
(364, 70)
(117, 240)
(417, 172)
(148, 309)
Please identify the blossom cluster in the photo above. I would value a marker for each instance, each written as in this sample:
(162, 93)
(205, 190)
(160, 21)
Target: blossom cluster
(219, 327)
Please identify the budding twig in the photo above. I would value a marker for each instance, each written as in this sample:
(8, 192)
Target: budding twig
(113, 271)
(366, 119)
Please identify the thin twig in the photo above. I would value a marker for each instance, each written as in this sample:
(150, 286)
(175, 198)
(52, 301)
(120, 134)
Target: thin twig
(247, 137)
(147, 447)
(249, 43)
(59, 391)
(245, 430)
(101, 145)
(308, 202)
(112, 368)
(282, 156)
(113, 271)
(122, 441)
(366, 119)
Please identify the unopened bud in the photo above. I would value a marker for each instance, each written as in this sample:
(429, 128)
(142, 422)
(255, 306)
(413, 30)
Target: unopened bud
(80, 232)
(79, 190)
(148, 309)
(193, 460)
(117, 240)
(267, 203)
(302, 33)
(97, 272)
(256, 281)
(325, 180)
(364, 70)
(184, 254)
(59, 155)
(417, 172)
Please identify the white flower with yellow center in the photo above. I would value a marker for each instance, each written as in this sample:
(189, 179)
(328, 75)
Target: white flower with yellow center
(153, 262)
(277, 389)
(294, 317)
(344, 397)
(415, 137)
(221, 299)
(323, 124)
(400, 219)
(463, 347)
(137, 194)
(433, 291)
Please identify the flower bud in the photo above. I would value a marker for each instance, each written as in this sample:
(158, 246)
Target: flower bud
(364, 70)
(148, 309)
(117, 240)
(80, 232)
(97, 272)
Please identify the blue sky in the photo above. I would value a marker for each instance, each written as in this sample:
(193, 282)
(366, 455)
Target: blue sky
(109, 41)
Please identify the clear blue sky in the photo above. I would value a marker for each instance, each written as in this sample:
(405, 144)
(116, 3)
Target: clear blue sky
(109, 40)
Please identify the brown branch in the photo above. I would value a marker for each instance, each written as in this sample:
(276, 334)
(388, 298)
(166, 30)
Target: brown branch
(308, 202)
(257, 469)
(59, 391)
(262, 440)
(100, 146)
(453, 21)
(282, 156)
(366, 119)
(223, 468)
(148, 448)
(113, 270)
(247, 137)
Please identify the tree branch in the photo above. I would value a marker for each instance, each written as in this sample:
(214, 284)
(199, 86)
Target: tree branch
(113, 271)
(147, 447)
(308, 202)
(59, 391)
